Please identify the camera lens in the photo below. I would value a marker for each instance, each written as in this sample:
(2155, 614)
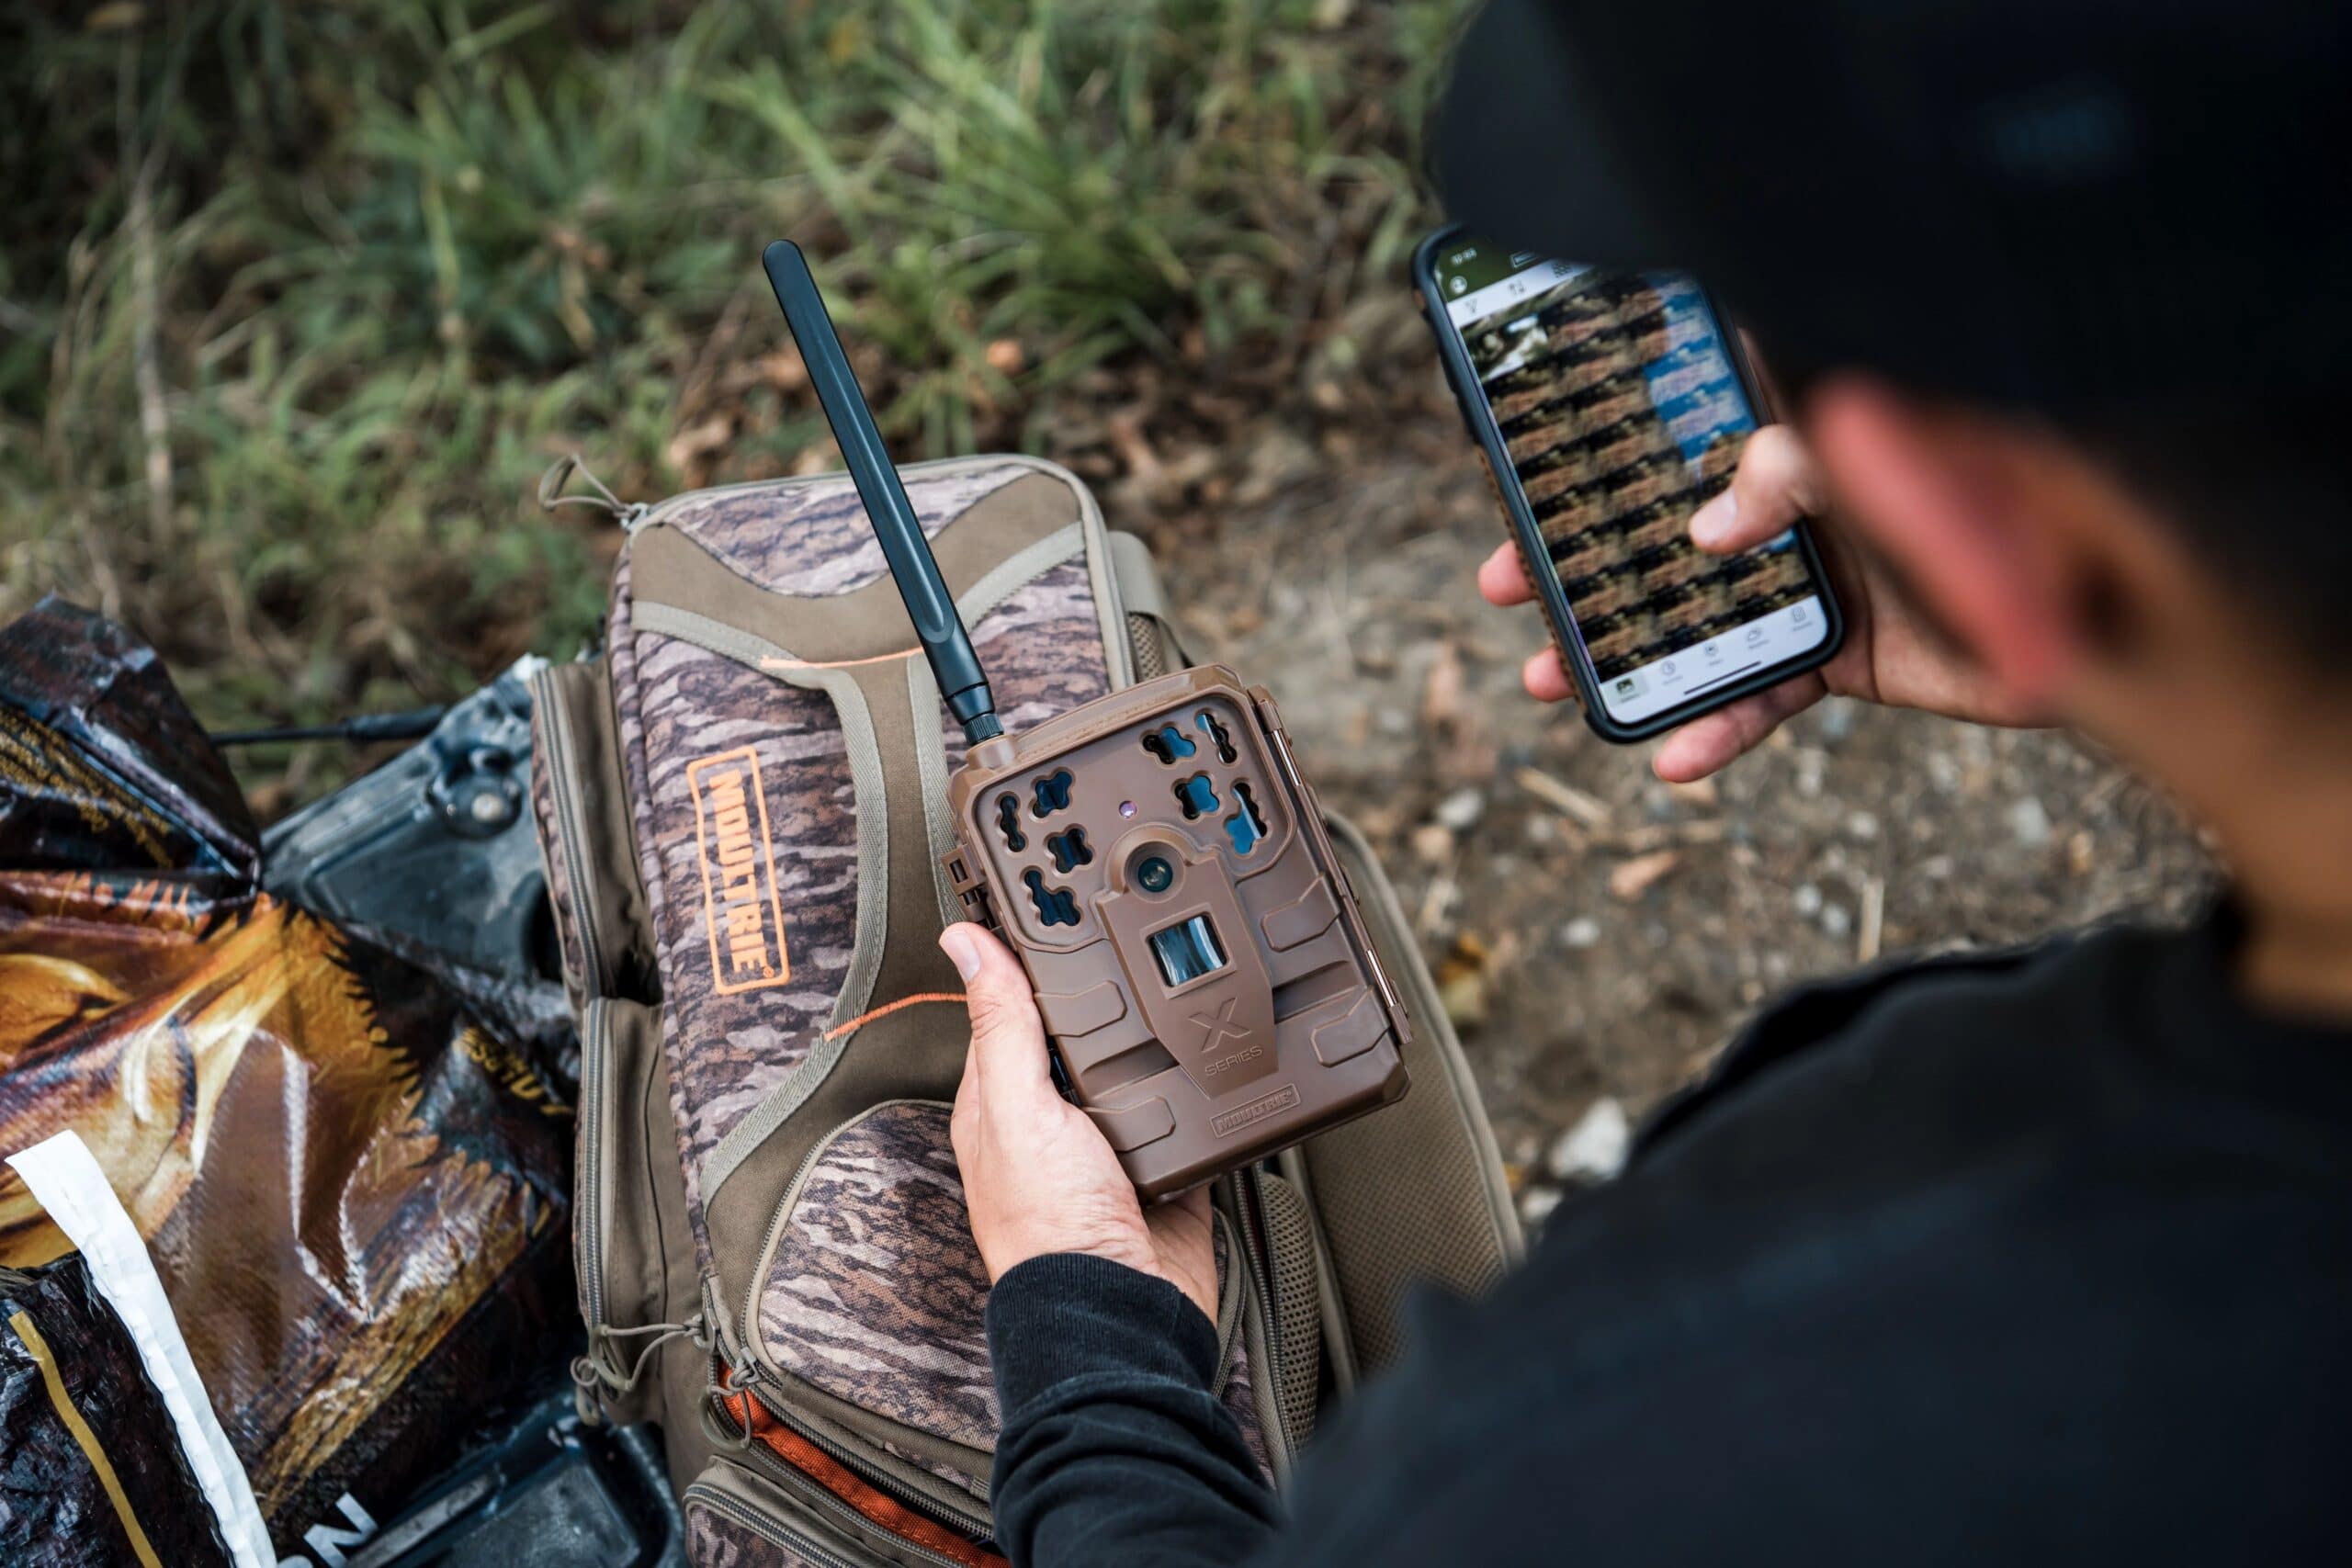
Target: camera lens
(1155, 875)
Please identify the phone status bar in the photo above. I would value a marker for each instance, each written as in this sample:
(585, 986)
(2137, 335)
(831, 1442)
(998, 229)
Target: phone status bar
(1465, 303)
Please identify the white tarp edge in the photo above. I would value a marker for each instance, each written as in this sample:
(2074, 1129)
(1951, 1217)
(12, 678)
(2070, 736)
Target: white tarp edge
(66, 1179)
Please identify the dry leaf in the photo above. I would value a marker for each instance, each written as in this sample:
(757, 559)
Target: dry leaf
(1441, 692)
(698, 441)
(1465, 1001)
(785, 370)
(1632, 878)
(1462, 981)
(1126, 431)
(844, 41)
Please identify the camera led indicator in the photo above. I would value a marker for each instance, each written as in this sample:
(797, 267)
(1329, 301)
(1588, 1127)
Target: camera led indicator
(1187, 950)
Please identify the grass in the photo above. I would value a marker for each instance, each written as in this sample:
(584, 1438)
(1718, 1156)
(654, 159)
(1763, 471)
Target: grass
(301, 299)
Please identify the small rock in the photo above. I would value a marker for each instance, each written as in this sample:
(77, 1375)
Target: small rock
(1536, 1203)
(1541, 829)
(1462, 808)
(1837, 718)
(1594, 1149)
(1836, 920)
(1861, 825)
(1433, 843)
(1582, 931)
(2030, 822)
(1807, 900)
(2082, 853)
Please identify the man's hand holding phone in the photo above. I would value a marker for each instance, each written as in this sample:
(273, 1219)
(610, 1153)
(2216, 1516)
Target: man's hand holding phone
(1890, 654)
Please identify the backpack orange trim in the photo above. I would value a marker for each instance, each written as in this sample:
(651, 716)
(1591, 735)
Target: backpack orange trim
(878, 1507)
(837, 1031)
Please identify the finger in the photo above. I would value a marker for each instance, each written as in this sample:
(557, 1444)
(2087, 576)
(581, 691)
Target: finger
(1545, 677)
(1502, 578)
(1705, 744)
(1008, 1038)
(1775, 484)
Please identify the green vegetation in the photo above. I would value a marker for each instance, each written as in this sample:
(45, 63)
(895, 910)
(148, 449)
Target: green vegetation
(299, 299)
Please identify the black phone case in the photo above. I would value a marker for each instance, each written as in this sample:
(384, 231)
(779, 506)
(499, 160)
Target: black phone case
(1528, 537)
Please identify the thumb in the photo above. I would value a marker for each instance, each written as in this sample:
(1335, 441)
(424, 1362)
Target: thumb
(1007, 1037)
(1775, 484)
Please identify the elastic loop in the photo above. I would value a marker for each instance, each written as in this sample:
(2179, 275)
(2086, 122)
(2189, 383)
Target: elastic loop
(717, 1424)
(559, 475)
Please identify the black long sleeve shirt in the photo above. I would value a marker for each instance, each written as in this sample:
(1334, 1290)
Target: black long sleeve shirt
(2044, 1258)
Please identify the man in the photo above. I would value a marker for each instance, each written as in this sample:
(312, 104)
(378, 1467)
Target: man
(2040, 1257)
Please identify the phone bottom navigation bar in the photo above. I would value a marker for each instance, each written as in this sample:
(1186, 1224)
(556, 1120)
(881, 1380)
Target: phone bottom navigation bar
(1770, 638)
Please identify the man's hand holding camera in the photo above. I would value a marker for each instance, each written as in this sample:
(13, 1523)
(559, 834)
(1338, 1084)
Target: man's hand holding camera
(1038, 1176)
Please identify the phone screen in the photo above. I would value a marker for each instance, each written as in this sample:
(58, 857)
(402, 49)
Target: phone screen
(1622, 410)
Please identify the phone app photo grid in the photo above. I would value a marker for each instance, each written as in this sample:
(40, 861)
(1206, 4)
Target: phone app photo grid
(1621, 414)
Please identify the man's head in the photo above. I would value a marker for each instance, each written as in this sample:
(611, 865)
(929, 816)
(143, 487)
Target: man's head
(2059, 289)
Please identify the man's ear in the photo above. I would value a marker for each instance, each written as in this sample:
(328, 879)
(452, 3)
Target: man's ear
(1953, 502)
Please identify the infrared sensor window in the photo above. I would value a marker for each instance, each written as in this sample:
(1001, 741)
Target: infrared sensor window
(1187, 950)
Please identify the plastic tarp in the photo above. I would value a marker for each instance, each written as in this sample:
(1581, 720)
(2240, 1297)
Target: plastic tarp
(353, 1188)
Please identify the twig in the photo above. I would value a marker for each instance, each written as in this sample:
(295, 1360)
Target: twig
(1659, 835)
(104, 581)
(155, 422)
(721, 340)
(1587, 810)
(1873, 922)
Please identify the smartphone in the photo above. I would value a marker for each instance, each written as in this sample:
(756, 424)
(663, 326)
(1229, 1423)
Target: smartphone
(1609, 405)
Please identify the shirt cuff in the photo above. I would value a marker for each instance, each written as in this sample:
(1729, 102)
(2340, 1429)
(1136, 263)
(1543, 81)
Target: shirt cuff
(1067, 1315)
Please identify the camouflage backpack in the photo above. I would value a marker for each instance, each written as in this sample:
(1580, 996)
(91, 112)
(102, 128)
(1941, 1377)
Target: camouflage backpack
(742, 804)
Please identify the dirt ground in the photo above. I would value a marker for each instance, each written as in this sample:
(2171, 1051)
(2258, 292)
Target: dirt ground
(1598, 934)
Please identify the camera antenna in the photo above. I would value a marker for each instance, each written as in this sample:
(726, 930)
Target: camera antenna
(929, 604)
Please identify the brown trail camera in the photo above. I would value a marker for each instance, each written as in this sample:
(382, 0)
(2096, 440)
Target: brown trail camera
(1157, 864)
(1160, 867)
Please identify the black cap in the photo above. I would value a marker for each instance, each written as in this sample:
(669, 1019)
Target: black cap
(2050, 202)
